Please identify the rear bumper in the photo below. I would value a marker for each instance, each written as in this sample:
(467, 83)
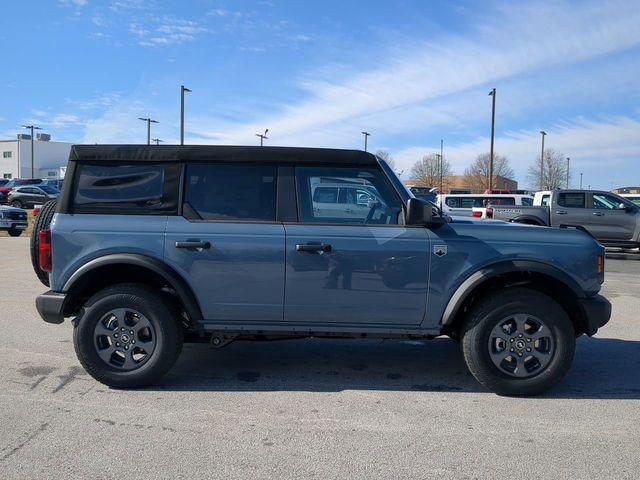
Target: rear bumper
(596, 311)
(50, 306)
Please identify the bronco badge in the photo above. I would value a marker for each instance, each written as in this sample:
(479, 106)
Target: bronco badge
(440, 250)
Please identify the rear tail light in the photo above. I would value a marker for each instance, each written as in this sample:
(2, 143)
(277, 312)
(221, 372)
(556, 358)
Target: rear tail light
(476, 214)
(489, 212)
(44, 250)
(36, 210)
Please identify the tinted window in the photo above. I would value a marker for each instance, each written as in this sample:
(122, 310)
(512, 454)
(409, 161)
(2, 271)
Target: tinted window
(49, 190)
(325, 195)
(138, 188)
(545, 200)
(452, 202)
(364, 196)
(502, 201)
(232, 192)
(571, 200)
(526, 201)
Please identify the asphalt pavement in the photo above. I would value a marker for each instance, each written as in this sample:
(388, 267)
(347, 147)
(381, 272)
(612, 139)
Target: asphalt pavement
(313, 408)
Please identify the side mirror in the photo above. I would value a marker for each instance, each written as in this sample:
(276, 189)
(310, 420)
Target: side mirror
(419, 212)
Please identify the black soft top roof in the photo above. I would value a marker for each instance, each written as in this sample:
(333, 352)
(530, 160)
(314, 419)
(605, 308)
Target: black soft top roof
(217, 153)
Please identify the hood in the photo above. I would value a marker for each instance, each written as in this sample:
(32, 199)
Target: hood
(4, 208)
(480, 221)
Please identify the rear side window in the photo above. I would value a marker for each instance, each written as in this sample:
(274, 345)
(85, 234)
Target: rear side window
(502, 201)
(232, 192)
(545, 200)
(126, 189)
(571, 200)
(526, 201)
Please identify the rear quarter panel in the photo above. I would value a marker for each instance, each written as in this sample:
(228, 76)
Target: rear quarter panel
(79, 238)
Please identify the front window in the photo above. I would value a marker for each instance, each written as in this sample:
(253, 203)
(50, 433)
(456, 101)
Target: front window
(603, 201)
(346, 195)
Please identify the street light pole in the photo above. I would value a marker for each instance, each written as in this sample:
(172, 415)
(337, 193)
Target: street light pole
(543, 133)
(32, 128)
(568, 170)
(492, 93)
(441, 160)
(263, 136)
(149, 122)
(366, 136)
(182, 90)
(580, 180)
(439, 166)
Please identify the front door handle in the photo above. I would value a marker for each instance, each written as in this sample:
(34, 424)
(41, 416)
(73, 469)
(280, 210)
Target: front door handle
(193, 244)
(561, 212)
(313, 247)
(598, 214)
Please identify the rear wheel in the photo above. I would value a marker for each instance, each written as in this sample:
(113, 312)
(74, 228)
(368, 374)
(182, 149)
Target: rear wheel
(127, 336)
(518, 343)
(17, 204)
(41, 222)
(14, 232)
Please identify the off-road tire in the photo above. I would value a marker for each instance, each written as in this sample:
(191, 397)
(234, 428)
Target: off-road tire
(164, 318)
(41, 222)
(485, 315)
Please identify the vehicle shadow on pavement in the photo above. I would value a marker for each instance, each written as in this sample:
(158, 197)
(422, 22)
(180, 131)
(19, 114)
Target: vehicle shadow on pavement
(603, 368)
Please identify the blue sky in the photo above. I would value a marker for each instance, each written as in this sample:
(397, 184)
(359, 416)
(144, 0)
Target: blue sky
(318, 73)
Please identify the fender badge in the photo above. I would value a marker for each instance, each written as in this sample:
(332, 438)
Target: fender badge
(440, 250)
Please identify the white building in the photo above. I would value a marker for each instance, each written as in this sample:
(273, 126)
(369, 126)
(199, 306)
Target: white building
(50, 158)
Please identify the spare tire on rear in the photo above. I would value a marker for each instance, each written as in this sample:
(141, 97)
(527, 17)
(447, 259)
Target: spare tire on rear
(41, 222)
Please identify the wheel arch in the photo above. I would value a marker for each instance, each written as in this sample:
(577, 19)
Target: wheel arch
(528, 220)
(104, 271)
(537, 275)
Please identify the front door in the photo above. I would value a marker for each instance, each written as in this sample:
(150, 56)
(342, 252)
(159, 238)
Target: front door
(608, 220)
(358, 266)
(228, 245)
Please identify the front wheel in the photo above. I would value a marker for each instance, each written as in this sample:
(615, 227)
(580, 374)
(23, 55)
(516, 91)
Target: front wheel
(14, 232)
(17, 204)
(128, 336)
(518, 343)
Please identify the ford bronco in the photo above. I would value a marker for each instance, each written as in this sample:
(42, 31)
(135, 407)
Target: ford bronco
(153, 246)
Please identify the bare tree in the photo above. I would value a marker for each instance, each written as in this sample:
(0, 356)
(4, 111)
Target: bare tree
(428, 170)
(386, 156)
(477, 174)
(554, 171)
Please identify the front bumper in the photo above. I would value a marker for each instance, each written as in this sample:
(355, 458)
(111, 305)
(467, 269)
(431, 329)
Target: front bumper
(596, 311)
(13, 224)
(50, 306)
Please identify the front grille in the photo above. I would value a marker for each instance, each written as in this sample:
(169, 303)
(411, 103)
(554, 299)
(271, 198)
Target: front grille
(15, 215)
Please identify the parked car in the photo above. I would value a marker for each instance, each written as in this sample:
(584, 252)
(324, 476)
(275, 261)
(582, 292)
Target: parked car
(13, 220)
(32, 195)
(633, 197)
(463, 204)
(52, 182)
(199, 244)
(612, 219)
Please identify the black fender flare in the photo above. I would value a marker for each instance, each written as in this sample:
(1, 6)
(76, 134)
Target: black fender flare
(528, 218)
(474, 280)
(172, 277)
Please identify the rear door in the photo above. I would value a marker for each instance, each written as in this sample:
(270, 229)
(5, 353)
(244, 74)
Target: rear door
(356, 268)
(608, 220)
(227, 243)
(570, 208)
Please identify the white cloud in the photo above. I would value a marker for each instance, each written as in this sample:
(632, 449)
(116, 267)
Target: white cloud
(38, 113)
(76, 3)
(509, 44)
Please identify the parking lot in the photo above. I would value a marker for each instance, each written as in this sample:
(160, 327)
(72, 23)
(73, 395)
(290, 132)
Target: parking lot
(313, 408)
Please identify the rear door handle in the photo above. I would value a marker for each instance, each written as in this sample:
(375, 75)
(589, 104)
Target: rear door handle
(313, 247)
(193, 244)
(598, 214)
(561, 212)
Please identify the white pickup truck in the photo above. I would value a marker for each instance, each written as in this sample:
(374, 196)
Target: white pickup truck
(612, 219)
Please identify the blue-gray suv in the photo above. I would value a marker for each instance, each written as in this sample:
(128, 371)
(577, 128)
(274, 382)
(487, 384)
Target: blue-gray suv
(153, 246)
